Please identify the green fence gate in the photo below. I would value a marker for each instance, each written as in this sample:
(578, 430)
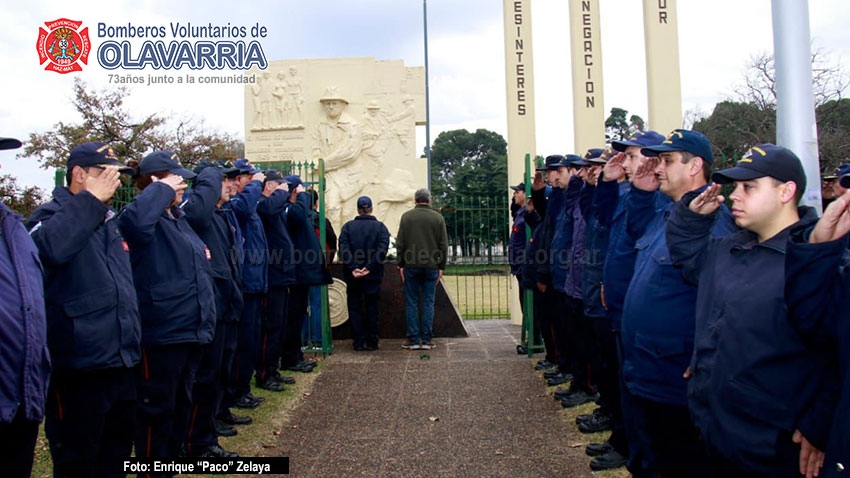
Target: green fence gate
(477, 275)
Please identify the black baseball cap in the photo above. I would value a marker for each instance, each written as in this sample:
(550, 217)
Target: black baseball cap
(10, 143)
(164, 161)
(519, 187)
(693, 142)
(765, 160)
(552, 162)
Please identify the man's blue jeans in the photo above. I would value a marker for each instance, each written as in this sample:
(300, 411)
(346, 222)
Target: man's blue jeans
(418, 281)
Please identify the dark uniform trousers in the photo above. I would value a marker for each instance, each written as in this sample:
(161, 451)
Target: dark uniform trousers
(207, 391)
(274, 320)
(89, 420)
(543, 319)
(608, 381)
(290, 353)
(246, 347)
(363, 311)
(17, 442)
(673, 439)
(581, 343)
(164, 385)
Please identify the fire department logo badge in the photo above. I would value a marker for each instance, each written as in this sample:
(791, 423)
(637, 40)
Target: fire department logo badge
(63, 46)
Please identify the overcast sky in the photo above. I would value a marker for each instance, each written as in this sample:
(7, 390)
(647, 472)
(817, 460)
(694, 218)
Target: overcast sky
(466, 57)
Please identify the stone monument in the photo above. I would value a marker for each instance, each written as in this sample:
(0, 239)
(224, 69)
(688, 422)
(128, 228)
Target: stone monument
(358, 114)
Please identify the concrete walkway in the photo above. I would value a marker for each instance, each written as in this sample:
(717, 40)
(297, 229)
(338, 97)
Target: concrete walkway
(470, 407)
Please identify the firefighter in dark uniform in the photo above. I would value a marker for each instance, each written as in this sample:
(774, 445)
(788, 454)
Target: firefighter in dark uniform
(173, 277)
(206, 213)
(93, 325)
(24, 359)
(271, 209)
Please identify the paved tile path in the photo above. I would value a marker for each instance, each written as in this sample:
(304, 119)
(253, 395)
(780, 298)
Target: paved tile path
(472, 407)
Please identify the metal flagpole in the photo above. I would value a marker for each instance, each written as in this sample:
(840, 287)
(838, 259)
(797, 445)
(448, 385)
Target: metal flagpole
(427, 98)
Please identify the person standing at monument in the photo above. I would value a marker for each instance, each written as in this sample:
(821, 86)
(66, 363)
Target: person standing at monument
(93, 324)
(363, 245)
(24, 356)
(422, 243)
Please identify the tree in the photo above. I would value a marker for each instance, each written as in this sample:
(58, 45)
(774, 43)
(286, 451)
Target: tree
(617, 127)
(749, 116)
(22, 200)
(828, 80)
(469, 172)
(104, 117)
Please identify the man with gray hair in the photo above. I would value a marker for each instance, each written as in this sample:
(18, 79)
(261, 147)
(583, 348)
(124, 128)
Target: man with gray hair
(422, 244)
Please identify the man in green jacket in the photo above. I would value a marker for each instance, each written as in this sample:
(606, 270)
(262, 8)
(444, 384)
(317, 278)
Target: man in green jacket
(422, 244)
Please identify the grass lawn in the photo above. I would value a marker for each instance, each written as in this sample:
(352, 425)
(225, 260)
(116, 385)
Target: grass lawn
(256, 439)
(481, 296)
(569, 416)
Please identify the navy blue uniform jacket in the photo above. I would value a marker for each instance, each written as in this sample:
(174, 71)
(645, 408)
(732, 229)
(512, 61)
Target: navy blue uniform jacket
(212, 226)
(517, 242)
(660, 308)
(171, 270)
(754, 377)
(817, 285)
(609, 200)
(363, 242)
(563, 234)
(308, 254)
(272, 212)
(24, 360)
(92, 311)
(255, 247)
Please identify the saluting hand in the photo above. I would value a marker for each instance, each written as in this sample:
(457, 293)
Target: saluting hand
(645, 178)
(835, 222)
(614, 170)
(174, 181)
(258, 177)
(708, 201)
(103, 187)
(593, 175)
(537, 183)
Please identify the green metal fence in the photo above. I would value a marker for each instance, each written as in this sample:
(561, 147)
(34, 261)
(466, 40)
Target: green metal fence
(478, 275)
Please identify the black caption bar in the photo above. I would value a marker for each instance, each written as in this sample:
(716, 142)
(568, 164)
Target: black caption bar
(208, 466)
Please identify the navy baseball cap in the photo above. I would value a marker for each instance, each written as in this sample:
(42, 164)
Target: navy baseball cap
(10, 143)
(164, 161)
(552, 162)
(765, 160)
(94, 154)
(843, 173)
(594, 156)
(839, 171)
(245, 167)
(227, 169)
(519, 187)
(641, 139)
(273, 175)
(572, 161)
(294, 181)
(364, 202)
(693, 142)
